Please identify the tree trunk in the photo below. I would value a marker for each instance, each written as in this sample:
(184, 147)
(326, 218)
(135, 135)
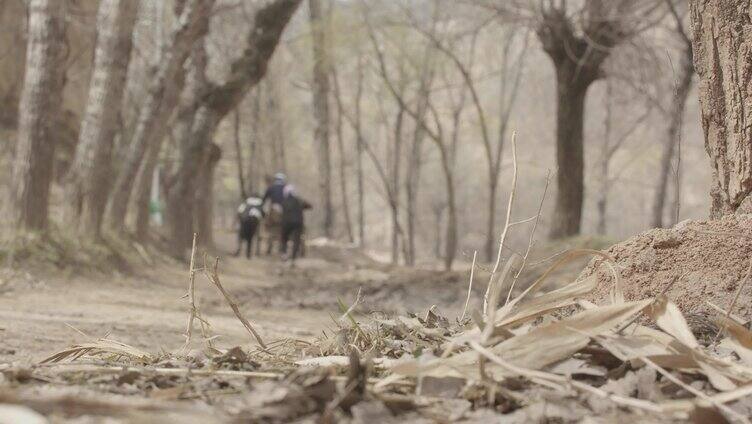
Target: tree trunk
(673, 135)
(90, 175)
(40, 104)
(165, 85)
(321, 113)
(144, 188)
(205, 197)
(722, 57)
(395, 183)
(603, 164)
(570, 116)
(342, 157)
(215, 102)
(359, 160)
(239, 154)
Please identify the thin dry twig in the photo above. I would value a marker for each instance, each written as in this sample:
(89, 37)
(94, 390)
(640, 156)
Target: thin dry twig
(510, 203)
(470, 287)
(191, 295)
(530, 242)
(214, 278)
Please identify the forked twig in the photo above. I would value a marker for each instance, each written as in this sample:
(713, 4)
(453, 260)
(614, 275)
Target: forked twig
(214, 278)
(530, 242)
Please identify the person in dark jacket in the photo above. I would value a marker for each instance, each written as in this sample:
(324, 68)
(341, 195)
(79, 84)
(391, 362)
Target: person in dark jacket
(250, 214)
(293, 222)
(275, 192)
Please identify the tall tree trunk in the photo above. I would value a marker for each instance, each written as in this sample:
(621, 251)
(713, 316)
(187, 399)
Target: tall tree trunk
(342, 157)
(395, 183)
(205, 197)
(321, 113)
(239, 153)
(213, 105)
(570, 116)
(90, 175)
(673, 135)
(359, 153)
(604, 161)
(722, 57)
(165, 85)
(40, 105)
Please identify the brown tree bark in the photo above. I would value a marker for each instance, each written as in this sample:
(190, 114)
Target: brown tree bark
(577, 59)
(321, 112)
(205, 197)
(90, 176)
(722, 41)
(165, 85)
(239, 154)
(213, 105)
(40, 105)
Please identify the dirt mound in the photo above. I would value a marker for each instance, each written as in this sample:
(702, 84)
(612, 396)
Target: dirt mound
(694, 262)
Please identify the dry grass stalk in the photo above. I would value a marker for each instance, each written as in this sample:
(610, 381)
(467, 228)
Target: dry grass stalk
(530, 242)
(470, 287)
(699, 394)
(510, 203)
(99, 347)
(214, 278)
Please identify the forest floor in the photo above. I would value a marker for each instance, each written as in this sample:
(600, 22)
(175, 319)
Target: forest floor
(397, 312)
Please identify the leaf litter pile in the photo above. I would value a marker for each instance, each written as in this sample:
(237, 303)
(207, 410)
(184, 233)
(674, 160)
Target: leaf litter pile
(539, 355)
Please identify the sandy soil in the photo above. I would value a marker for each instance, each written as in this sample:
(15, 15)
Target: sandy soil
(144, 310)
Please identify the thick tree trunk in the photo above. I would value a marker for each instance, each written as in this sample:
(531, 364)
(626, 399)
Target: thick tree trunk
(165, 85)
(570, 116)
(205, 197)
(90, 176)
(722, 44)
(213, 105)
(321, 113)
(40, 105)
(673, 135)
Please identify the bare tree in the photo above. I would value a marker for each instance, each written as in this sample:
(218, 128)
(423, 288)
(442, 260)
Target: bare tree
(339, 125)
(89, 177)
(321, 73)
(165, 84)
(39, 106)
(439, 138)
(213, 105)
(613, 140)
(682, 87)
(722, 54)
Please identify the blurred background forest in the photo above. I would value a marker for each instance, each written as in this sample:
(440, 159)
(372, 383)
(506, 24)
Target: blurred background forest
(394, 118)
